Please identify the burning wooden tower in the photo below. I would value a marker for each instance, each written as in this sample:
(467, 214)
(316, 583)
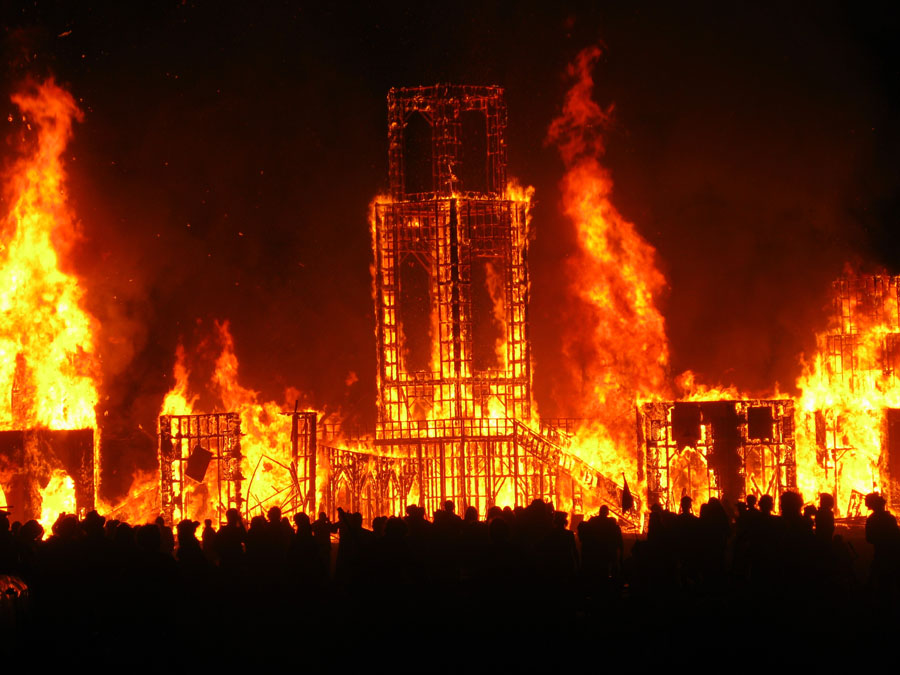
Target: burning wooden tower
(451, 293)
(451, 280)
(451, 298)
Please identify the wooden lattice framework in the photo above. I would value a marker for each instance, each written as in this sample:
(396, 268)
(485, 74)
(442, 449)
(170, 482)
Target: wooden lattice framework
(27, 458)
(512, 466)
(710, 448)
(218, 434)
(454, 426)
(297, 491)
(861, 354)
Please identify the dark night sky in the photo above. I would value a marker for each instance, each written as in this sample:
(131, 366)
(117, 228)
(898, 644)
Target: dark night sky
(229, 152)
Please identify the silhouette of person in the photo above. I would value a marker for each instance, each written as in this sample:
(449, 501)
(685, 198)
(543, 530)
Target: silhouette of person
(208, 539)
(605, 545)
(278, 535)
(189, 554)
(751, 503)
(825, 517)
(882, 533)
(229, 542)
(7, 550)
(688, 541)
(305, 561)
(167, 539)
(558, 553)
(322, 530)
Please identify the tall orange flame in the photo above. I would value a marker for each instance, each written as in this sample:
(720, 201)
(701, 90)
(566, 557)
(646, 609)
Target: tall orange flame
(48, 364)
(618, 348)
(46, 338)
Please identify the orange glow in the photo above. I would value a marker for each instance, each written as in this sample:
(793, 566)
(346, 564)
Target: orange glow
(141, 505)
(692, 390)
(616, 349)
(449, 399)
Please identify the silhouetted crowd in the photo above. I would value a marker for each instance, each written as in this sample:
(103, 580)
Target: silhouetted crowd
(109, 580)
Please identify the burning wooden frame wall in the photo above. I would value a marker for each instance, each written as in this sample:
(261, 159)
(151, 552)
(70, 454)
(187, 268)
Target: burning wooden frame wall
(717, 449)
(513, 466)
(456, 222)
(28, 459)
(856, 423)
(188, 444)
(446, 214)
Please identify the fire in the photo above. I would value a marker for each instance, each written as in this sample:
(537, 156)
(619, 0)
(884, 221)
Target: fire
(266, 431)
(848, 389)
(58, 497)
(141, 504)
(48, 363)
(177, 400)
(616, 349)
(693, 390)
(448, 400)
(621, 353)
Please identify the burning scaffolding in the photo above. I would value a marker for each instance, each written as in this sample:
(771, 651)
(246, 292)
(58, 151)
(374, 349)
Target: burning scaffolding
(723, 449)
(450, 249)
(851, 393)
(188, 444)
(455, 416)
(455, 413)
(252, 458)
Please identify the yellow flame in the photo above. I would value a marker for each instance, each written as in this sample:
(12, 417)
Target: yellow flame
(266, 433)
(48, 364)
(58, 498)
